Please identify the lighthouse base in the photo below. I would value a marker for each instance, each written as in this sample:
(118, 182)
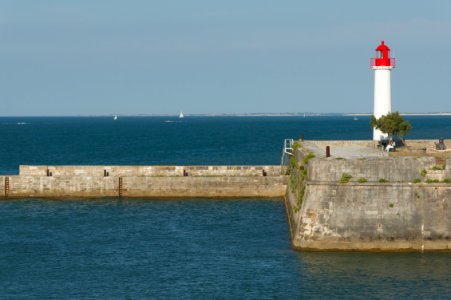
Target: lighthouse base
(379, 135)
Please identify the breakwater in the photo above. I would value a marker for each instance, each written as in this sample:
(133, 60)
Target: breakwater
(144, 181)
(359, 198)
(365, 200)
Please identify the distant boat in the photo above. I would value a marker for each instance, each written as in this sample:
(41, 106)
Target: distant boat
(115, 117)
(304, 115)
(355, 118)
(181, 116)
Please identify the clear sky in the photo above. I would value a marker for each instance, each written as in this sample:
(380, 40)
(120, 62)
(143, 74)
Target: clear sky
(60, 57)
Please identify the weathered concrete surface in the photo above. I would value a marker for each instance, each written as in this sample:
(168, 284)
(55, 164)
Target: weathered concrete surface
(396, 215)
(378, 217)
(145, 181)
(204, 187)
(117, 171)
(345, 149)
(62, 186)
(439, 175)
(400, 169)
(429, 145)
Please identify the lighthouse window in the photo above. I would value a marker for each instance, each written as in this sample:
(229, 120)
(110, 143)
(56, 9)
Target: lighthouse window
(379, 54)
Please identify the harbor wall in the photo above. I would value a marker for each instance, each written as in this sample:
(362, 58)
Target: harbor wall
(372, 169)
(117, 171)
(144, 181)
(409, 211)
(371, 216)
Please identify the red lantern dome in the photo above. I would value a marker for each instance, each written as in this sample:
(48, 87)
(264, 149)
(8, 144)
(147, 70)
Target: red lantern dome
(382, 59)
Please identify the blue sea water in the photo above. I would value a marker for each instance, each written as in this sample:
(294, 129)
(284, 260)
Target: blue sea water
(169, 141)
(197, 248)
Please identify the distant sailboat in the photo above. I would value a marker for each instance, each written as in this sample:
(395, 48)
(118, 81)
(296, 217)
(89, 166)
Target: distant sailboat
(356, 119)
(181, 116)
(304, 115)
(115, 117)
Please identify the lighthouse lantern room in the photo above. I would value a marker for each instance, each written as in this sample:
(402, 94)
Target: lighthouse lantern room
(382, 65)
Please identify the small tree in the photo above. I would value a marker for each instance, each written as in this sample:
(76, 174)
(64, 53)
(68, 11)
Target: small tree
(392, 124)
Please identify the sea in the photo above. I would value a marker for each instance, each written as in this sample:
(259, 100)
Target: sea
(187, 248)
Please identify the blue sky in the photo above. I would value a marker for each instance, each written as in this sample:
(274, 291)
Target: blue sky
(87, 57)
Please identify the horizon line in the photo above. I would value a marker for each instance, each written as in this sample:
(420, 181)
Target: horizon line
(286, 114)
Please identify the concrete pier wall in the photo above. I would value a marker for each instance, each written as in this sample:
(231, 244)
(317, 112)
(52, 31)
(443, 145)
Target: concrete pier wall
(408, 211)
(117, 171)
(372, 169)
(371, 216)
(144, 181)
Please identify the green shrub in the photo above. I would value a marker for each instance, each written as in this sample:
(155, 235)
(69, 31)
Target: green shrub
(301, 195)
(391, 205)
(362, 180)
(293, 182)
(293, 163)
(423, 172)
(438, 167)
(392, 123)
(382, 180)
(345, 178)
(416, 180)
(446, 180)
(308, 157)
(432, 180)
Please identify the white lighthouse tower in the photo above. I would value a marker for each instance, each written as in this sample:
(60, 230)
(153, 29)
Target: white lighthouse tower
(382, 65)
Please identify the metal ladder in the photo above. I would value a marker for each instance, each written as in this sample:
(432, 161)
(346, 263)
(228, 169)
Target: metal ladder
(287, 151)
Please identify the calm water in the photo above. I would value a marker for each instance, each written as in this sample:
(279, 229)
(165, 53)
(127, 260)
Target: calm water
(167, 141)
(202, 248)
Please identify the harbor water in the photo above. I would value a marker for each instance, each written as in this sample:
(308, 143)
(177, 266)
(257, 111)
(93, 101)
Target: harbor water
(186, 248)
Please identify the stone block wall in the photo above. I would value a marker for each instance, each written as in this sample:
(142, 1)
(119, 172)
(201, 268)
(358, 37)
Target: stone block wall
(62, 186)
(227, 186)
(372, 169)
(122, 171)
(386, 217)
(146, 181)
(396, 215)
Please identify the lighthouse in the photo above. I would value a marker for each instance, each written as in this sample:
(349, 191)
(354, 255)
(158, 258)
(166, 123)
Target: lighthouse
(382, 65)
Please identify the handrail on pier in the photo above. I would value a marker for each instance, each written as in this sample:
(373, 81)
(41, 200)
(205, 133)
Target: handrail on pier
(286, 152)
(288, 146)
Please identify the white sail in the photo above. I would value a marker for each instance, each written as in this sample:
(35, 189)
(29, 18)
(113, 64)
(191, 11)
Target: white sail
(181, 116)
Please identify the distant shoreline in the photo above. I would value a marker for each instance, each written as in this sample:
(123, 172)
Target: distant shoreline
(233, 115)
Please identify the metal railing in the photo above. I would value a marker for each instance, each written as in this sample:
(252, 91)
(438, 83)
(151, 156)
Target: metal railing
(287, 151)
(391, 60)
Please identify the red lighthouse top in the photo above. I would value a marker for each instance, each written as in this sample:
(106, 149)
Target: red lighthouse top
(382, 59)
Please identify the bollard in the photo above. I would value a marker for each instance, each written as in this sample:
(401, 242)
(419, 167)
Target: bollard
(302, 137)
(49, 173)
(263, 172)
(105, 173)
(185, 173)
(327, 151)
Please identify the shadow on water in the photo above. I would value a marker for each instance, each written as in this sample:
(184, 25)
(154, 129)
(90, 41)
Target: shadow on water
(375, 275)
